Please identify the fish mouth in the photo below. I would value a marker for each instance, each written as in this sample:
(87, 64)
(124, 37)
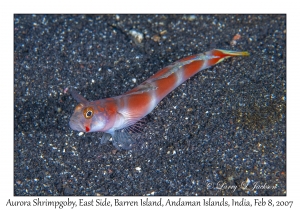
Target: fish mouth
(76, 126)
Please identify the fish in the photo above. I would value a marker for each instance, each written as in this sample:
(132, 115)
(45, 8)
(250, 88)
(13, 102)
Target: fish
(117, 116)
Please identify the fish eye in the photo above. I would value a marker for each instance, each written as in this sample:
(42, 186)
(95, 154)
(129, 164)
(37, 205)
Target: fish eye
(88, 112)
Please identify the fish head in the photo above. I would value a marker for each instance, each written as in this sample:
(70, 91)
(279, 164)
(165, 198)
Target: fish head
(88, 118)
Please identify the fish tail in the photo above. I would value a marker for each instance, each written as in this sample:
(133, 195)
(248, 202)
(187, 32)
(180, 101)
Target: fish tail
(223, 54)
(229, 53)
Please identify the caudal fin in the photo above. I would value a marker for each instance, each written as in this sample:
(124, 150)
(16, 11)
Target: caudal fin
(229, 53)
(220, 55)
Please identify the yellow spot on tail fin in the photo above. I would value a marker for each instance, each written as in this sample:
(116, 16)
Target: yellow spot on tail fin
(244, 53)
(234, 53)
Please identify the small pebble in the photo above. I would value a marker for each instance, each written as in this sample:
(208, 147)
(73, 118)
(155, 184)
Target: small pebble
(137, 36)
